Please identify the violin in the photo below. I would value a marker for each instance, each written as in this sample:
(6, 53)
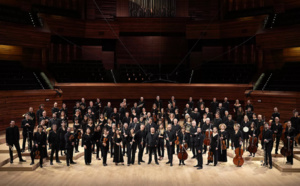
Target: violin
(71, 137)
(238, 160)
(223, 144)
(37, 154)
(177, 139)
(182, 154)
(154, 117)
(104, 141)
(208, 134)
(252, 148)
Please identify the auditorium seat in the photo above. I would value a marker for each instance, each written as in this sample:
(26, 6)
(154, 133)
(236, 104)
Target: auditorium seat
(15, 77)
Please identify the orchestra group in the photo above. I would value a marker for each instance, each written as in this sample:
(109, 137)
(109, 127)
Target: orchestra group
(126, 131)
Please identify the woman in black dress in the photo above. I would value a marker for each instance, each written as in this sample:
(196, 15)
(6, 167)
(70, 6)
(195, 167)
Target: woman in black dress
(239, 115)
(62, 131)
(253, 133)
(97, 136)
(214, 146)
(88, 145)
(118, 156)
(236, 107)
(223, 138)
(237, 136)
(245, 128)
(84, 124)
(160, 148)
(77, 131)
(105, 144)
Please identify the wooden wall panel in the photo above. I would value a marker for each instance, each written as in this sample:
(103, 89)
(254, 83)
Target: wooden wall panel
(16, 103)
(286, 102)
(101, 29)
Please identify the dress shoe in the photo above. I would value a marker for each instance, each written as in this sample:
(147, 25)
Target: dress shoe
(51, 163)
(128, 164)
(149, 162)
(168, 162)
(41, 165)
(22, 151)
(171, 164)
(58, 161)
(270, 167)
(22, 160)
(199, 168)
(105, 164)
(179, 164)
(31, 163)
(139, 163)
(193, 157)
(276, 152)
(183, 163)
(73, 162)
(11, 161)
(156, 163)
(215, 164)
(143, 161)
(68, 165)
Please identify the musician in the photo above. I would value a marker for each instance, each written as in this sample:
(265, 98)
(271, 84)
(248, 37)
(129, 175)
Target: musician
(213, 106)
(171, 118)
(206, 127)
(143, 114)
(199, 148)
(88, 145)
(199, 103)
(136, 108)
(176, 114)
(44, 117)
(176, 129)
(117, 140)
(77, 131)
(62, 132)
(226, 104)
(223, 135)
(260, 123)
(125, 136)
(253, 132)
(208, 113)
(229, 129)
(39, 139)
(276, 113)
(27, 125)
(102, 121)
(76, 107)
(277, 132)
(90, 115)
(172, 100)
(112, 134)
(183, 139)
(131, 148)
(249, 105)
(161, 146)
(97, 142)
(214, 146)
(141, 139)
(236, 107)
(54, 120)
(107, 110)
(32, 115)
(187, 110)
(54, 140)
(191, 102)
(135, 125)
(151, 141)
(158, 102)
(249, 113)
(237, 136)
(193, 134)
(97, 106)
(170, 138)
(268, 143)
(221, 110)
(225, 117)
(64, 117)
(201, 111)
(126, 119)
(55, 109)
(217, 120)
(141, 104)
(245, 126)
(133, 114)
(295, 120)
(84, 124)
(69, 141)
(188, 125)
(39, 113)
(105, 145)
(12, 139)
(82, 103)
(195, 115)
(289, 134)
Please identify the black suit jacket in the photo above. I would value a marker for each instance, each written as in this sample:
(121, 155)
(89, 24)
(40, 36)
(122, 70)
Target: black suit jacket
(12, 135)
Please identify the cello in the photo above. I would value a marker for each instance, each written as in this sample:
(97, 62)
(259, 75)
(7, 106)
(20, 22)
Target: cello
(182, 154)
(238, 160)
(287, 149)
(208, 134)
(252, 146)
(261, 128)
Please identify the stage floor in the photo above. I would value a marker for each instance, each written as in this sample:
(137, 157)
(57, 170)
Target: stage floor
(251, 173)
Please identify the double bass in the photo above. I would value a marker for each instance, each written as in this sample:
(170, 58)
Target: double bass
(284, 127)
(37, 154)
(252, 145)
(287, 149)
(238, 160)
(261, 128)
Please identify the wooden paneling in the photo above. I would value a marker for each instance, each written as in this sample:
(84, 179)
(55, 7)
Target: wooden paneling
(101, 29)
(75, 91)
(152, 50)
(16, 103)
(286, 102)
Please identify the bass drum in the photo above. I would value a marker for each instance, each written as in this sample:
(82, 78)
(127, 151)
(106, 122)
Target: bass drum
(246, 129)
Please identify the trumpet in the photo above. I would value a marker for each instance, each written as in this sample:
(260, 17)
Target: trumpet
(28, 115)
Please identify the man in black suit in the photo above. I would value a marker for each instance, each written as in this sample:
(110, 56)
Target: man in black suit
(152, 140)
(54, 143)
(69, 146)
(12, 139)
(199, 147)
(27, 125)
(170, 137)
(268, 142)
